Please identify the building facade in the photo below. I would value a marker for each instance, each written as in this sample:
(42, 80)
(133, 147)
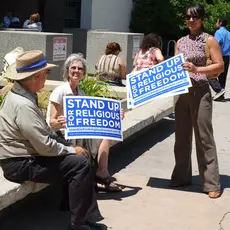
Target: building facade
(112, 15)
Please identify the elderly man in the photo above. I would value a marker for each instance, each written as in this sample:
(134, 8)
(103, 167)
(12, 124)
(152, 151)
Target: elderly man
(30, 151)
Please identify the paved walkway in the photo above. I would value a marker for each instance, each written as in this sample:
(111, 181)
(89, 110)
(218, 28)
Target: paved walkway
(150, 203)
(144, 166)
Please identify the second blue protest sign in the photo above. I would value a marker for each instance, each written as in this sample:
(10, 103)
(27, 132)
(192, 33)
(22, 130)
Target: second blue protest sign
(92, 117)
(165, 79)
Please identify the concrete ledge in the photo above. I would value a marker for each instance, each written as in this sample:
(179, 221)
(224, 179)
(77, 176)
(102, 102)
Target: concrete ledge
(135, 120)
(141, 117)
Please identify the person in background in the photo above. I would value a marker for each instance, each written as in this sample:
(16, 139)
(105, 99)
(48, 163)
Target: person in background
(149, 53)
(112, 68)
(33, 22)
(26, 22)
(193, 110)
(31, 151)
(222, 35)
(74, 71)
(10, 21)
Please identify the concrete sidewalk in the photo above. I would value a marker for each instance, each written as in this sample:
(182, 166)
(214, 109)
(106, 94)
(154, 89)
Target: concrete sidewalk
(150, 204)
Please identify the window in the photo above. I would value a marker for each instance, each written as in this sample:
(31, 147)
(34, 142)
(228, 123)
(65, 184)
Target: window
(73, 13)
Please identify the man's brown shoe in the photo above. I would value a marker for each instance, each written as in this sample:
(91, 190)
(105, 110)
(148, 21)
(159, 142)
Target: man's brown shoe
(214, 195)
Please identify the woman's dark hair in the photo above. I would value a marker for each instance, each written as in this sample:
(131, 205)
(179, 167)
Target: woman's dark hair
(151, 40)
(196, 10)
(112, 48)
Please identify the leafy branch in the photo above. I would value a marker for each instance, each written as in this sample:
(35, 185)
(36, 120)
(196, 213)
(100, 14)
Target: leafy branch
(93, 86)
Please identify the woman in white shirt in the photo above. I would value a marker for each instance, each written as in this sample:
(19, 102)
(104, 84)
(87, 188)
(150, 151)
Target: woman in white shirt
(74, 72)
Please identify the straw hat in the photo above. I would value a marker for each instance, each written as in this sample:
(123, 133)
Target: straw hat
(27, 64)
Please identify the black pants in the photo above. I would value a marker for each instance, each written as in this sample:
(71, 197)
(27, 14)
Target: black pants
(71, 170)
(219, 83)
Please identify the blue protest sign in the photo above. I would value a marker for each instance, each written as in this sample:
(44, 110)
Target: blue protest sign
(92, 117)
(165, 79)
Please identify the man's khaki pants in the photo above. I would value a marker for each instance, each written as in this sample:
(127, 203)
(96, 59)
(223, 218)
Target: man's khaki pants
(194, 110)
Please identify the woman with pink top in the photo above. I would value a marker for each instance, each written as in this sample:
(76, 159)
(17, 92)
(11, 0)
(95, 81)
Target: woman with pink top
(149, 53)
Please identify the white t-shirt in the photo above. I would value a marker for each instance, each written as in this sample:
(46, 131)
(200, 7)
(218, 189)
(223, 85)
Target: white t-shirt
(57, 97)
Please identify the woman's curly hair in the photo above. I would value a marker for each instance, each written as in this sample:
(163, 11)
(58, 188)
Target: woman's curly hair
(151, 40)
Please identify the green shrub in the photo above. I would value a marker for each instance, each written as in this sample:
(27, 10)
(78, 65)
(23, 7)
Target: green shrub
(1, 99)
(166, 17)
(94, 87)
(43, 100)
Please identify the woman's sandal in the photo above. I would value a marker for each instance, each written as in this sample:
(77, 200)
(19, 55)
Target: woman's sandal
(107, 184)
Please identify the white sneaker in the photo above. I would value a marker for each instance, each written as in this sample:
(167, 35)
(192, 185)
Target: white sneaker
(221, 93)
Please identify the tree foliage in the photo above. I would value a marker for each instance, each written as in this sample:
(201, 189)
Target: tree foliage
(166, 17)
(213, 11)
(153, 16)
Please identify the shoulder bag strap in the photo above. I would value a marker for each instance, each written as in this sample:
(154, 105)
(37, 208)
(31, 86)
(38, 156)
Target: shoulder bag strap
(207, 51)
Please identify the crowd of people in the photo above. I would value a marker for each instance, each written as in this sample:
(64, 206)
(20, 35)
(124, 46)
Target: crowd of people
(32, 149)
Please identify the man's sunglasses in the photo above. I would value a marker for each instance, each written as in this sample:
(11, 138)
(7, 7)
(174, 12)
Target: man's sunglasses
(194, 17)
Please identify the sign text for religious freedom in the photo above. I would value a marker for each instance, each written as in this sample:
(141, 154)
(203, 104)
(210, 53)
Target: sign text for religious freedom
(162, 80)
(92, 117)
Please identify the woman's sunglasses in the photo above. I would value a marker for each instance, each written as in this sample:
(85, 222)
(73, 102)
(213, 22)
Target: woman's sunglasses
(194, 17)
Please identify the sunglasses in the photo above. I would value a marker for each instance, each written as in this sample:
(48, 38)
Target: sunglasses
(194, 17)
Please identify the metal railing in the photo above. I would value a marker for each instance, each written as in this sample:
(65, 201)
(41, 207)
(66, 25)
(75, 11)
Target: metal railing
(168, 48)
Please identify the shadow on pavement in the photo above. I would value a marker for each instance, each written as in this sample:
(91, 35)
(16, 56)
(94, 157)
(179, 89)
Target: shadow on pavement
(227, 100)
(37, 211)
(225, 181)
(194, 187)
(163, 184)
(118, 196)
(128, 151)
(224, 100)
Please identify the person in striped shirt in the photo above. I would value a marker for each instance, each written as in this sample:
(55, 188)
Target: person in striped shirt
(111, 68)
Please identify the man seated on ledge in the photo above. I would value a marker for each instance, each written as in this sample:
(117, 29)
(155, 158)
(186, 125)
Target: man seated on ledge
(30, 151)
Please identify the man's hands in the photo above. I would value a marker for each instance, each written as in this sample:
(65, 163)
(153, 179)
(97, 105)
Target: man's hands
(81, 151)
